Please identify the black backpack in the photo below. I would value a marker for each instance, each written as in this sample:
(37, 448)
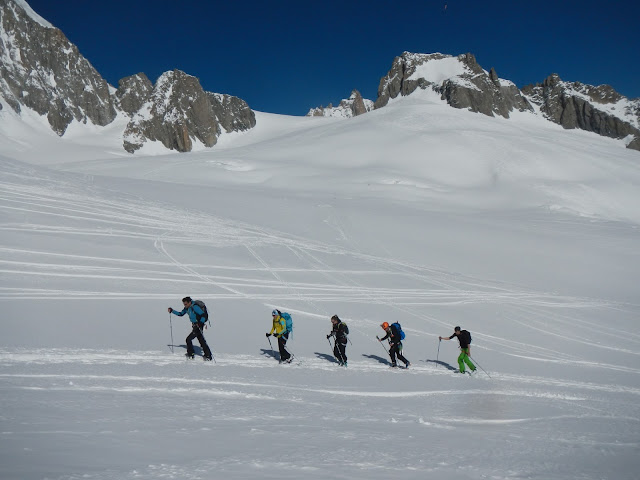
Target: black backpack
(203, 307)
(465, 335)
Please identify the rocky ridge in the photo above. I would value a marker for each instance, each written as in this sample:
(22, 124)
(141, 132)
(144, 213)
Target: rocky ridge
(599, 109)
(463, 83)
(42, 70)
(349, 107)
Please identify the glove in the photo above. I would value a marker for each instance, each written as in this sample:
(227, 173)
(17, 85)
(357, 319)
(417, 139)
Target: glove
(170, 310)
(328, 337)
(268, 335)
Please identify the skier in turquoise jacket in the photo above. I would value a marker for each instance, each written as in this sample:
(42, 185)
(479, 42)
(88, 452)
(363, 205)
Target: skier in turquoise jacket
(196, 315)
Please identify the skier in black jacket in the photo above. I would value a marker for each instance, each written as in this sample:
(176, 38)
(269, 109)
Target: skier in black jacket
(339, 332)
(395, 343)
(464, 337)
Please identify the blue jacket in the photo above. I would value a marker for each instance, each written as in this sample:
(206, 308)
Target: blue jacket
(194, 312)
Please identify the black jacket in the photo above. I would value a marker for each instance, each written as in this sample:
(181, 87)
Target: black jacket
(393, 334)
(464, 338)
(340, 332)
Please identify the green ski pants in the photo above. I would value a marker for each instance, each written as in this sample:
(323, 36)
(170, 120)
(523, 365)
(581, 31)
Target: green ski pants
(464, 358)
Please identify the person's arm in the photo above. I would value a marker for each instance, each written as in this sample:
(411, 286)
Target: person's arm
(385, 337)
(446, 338)
(175, 312)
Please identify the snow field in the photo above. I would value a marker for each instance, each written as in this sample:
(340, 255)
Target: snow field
(374, 219)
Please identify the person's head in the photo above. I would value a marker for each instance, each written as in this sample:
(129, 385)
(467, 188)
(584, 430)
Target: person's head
(275, 313)
(186, 301)
(456, 331)
(335, 319)
(385, 325)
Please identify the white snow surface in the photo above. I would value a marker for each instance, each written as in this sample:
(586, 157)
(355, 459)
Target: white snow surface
(439, 70)
(517, 230)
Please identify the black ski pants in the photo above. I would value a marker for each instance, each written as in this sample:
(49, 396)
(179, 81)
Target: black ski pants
(282, 346)
(396, 349)
(196, 332)
(340, 351)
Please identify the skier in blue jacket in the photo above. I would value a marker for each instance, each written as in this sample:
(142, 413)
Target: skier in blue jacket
(196, 315)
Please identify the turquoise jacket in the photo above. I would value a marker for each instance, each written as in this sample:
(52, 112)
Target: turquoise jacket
(194, 312)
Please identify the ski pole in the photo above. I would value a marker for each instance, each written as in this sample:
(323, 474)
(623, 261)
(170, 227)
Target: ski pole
(438, 356)
(474, 361)
(385, 348)
(273, 354)
(171, 328)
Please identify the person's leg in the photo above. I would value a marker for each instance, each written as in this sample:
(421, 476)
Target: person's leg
(190, 338)
(468, 361)
(203, 343)
(282, 346)
(343, 351)
(461, 360)
(392, 353)
(400, 356)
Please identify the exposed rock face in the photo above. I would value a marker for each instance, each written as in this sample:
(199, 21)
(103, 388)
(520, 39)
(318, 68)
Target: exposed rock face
(42, 70)
(350, 107)
(459, 80)
(177, 111)
(232, 113)
(133, 92)
(596, 109)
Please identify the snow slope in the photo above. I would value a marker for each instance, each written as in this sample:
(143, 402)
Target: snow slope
(521, 232)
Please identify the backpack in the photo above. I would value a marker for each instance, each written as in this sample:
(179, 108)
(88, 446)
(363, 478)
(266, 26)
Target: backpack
(467, 336)
(399, 328)
(203, 307)
(346, 329)
(288, 320)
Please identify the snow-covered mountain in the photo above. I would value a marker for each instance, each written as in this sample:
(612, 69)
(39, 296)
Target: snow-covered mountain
(176, 113)
(463, 83)
(514, 228)
(41, 70)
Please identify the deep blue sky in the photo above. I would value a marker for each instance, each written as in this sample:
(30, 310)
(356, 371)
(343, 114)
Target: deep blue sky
(286, 56)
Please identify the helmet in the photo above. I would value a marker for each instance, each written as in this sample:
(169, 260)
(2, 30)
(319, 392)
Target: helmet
(275, 313)
(385, 325)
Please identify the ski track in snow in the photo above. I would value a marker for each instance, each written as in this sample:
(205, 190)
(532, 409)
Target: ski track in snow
(253, 404)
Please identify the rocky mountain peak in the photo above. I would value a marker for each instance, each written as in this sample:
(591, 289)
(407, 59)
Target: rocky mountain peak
(176, 112)
(133, 92)
(40, 69)
(598, 109)
(460, 80)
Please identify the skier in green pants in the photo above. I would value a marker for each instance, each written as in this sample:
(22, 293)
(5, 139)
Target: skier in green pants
(464, 337)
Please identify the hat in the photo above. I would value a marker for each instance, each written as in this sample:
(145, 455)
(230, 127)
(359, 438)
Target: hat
(336, 318)
(276, 312)
(384, 325)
